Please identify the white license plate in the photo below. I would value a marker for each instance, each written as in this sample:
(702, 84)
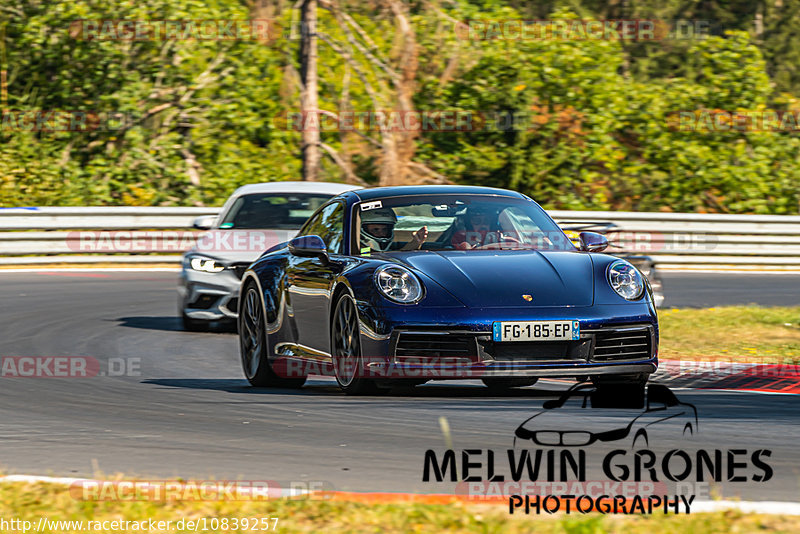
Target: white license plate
(536, 331)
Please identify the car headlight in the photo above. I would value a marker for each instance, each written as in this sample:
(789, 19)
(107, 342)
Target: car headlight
(626, 280)
(398, 284)
(206, 265)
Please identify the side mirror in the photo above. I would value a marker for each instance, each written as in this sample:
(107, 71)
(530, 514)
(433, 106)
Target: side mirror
(593, 242)
(205, 222)
(309, 246)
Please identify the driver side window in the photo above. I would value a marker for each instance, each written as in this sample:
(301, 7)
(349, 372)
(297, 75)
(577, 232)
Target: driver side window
(329, 225)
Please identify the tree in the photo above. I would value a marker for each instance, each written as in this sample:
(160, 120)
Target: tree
(309, 101)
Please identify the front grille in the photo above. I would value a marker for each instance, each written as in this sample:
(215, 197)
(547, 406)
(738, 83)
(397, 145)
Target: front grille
(239, 269)
(529, 350)
(625, 343)
(554, 438)
(435, 345)
(622, 345)
(534, 351)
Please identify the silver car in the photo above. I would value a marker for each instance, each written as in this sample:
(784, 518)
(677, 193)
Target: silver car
(253, 219)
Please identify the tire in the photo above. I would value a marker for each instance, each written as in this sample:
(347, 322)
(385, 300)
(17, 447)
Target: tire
(194, 325)
(504, 384)
(253, 347)
(348, 365)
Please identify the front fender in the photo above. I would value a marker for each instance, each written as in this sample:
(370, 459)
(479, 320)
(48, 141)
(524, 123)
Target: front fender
(268, 274)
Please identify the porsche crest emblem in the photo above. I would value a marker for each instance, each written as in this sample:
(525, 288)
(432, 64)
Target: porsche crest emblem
(529, 298)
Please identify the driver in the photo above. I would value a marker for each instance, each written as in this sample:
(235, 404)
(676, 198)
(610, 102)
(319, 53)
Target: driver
(377, 231)
(478, 229)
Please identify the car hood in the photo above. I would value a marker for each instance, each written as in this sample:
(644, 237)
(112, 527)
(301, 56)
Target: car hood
(488, 279)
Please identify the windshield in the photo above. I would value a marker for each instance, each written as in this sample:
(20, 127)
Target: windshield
(272, 210)
(456, 222)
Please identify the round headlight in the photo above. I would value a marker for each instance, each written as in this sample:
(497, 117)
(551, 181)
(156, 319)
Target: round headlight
(626, 280)
(398, 284)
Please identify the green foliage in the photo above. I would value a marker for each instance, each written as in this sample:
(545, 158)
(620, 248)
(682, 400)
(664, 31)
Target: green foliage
(598, 139)
(209, 102)
(593, 126)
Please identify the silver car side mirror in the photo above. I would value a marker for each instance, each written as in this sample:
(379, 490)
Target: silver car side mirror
(204, 222)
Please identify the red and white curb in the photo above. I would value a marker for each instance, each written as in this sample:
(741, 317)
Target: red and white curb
(728, 375)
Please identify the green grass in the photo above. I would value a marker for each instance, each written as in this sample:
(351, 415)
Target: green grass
(31, 501)
(740, 333)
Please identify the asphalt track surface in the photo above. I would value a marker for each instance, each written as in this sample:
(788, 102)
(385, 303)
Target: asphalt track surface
(698, 290)
(187, 411)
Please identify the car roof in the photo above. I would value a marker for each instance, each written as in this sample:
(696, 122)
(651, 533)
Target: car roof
(326, 188)
(404, 190)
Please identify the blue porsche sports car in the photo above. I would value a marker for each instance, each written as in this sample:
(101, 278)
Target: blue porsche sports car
(408, 284)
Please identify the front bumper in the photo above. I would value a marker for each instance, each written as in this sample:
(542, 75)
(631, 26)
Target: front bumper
(395, 370)
(209, 296)
(615, 340)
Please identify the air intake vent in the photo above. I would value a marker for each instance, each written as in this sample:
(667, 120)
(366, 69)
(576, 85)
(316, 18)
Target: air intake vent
(435, 345)
(622, 345)
(531, 351)
(204, 302)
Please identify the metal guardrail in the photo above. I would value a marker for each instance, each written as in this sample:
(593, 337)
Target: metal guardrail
(101, 218)
(697, 241)
(39, 236)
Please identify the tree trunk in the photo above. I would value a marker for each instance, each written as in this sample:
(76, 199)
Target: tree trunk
(3, 71)
(399, 147)
(308, 95)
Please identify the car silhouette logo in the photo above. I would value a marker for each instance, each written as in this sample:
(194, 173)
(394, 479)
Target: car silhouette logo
(528, 297)
(585, 414)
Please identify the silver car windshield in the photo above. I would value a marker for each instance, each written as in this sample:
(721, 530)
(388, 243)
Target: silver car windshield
(272, 211)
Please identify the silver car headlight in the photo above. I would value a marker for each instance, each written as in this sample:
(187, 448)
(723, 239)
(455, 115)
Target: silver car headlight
(626, 280)
(206, 265)
(398, 284)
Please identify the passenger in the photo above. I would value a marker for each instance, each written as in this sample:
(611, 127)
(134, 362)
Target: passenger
(377, 231)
